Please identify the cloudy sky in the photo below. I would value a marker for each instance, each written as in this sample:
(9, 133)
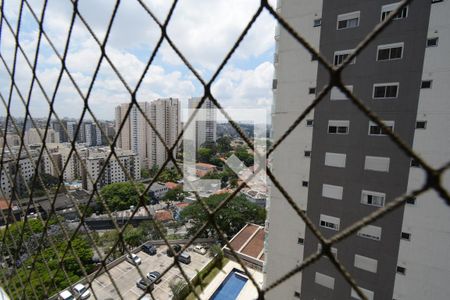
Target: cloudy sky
(203, 30)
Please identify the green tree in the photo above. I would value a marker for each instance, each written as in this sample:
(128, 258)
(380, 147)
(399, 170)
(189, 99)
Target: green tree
(150, 231)
(145, 173)
(169, 175)
(176, 194)
(177, 286)
(244, 156)
(205, 155)
(154, 169)
(224, 144)
(230, 218)
(134, 236)
(121, 195)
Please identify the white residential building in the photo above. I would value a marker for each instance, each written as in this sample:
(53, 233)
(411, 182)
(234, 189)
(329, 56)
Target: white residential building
(138, 136)
(113, 172)
(205, 130)
(339, 167)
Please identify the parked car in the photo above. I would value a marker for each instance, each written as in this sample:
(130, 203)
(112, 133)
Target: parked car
(154, 277)
(145, 284)
(184, 258)
(133, 259)
(66, 295)
(176, 248)
(81, 291)
(200, 249)
(149, 248)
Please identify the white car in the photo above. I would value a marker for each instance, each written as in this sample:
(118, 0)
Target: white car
(134, 259)
(200, 249)
(81, 291)
(66, 295)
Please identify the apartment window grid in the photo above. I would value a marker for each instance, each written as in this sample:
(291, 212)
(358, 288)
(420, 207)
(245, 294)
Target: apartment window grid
(351, 22)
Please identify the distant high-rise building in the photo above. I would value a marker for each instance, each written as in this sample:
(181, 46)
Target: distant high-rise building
(206, 130)
(59, 128)
(339, 166)
(35, 135)
(138, 136)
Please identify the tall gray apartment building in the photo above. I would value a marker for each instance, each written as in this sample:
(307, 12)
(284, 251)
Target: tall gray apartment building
(339, 166)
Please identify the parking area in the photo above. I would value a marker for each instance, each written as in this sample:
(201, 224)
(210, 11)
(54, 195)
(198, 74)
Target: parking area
(126, 275)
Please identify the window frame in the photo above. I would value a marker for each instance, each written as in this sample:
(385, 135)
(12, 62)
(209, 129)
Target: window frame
(426, 81)
(347, 52)
(339, 126)
(347, 17)
(322, 219)
(388, 124)
(393, 6)
(400, 45)
(365, 195)
(386, 85)
(368, 236)
(436, 39)
(317, 22)
(424, 122)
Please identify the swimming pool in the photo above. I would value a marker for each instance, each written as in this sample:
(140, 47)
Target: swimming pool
(230, 288)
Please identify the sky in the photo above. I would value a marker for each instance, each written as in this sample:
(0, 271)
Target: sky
(203, 30)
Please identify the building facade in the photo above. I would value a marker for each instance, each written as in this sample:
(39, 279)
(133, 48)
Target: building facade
(113, 172)
(205, 130)
(340, 167)
(138, 136)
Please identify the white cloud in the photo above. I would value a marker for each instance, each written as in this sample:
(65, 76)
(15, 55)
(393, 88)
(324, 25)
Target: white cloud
(203, 30)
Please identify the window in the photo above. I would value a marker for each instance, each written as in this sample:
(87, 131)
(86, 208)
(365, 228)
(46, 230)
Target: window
(314, 57)
(369, 294)
(426, 84)
(436, 1)
(340, 56)
(432, 42)
(307, 153)
(338, 127)
(305, 183)
(329, 222)
(406, 236)
(335, 159)
(415, 163)
(324, 280)
(366, 263)
(411, 201)
(297, 294)
(336, 93)
(312, 90)
(332, 191)
(421, 124)
(389, 8)
(377, 163)
(374, 129)
(300, 241)
(349, 20)
(385, 90)
(274, 84)
(373, 198)
(390, 52)
(401, 270)
(317, 22)
(309, 123)
(370, 232)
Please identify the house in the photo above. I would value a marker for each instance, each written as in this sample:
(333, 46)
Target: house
(201, 169)
(163, 215)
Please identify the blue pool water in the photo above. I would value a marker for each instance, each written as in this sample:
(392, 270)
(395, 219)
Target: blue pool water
(230, 287)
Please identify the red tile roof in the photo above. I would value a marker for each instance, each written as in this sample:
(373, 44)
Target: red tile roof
(4, 203)
(163, 215)
(171, 185)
